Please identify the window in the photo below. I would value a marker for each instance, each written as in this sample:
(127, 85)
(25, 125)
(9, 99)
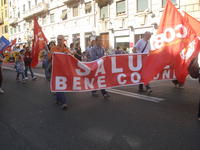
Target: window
(142, 5)
(5, 2)
(75, 11)
(19, 29)
(24, 26)
(52, 18)
(29, 5)
(164, 2)
(18, 14)
(6, 13)
(35, 2)
(2, 16)
(104, 12)
(88, 8)
(6, 29)
(11, 30)
(44, 20)
(64, 14)
(120, 7)
(24, 8)
(14, 29)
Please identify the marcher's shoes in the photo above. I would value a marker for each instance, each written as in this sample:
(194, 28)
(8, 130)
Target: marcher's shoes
(1, 91)
(141, 90)
(94, 94)
(23, 81)
(26, 78)
(34, 78)
(181, 86)
(199, 118)
(106, 95)
(149, 91)
(64, 106)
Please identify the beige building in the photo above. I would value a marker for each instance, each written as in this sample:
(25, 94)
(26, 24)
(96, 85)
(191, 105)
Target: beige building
(118, 22)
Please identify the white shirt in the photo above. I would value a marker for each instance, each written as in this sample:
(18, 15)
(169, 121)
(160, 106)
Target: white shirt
(140, 46)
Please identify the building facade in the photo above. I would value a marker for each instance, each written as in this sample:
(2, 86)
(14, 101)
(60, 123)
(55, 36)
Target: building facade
(4, 25)
(118, 22)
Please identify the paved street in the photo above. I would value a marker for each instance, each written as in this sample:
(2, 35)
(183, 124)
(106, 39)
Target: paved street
(29, 119)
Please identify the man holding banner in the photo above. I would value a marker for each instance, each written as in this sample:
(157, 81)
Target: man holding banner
(60, 96)
(143, 46)
(97, 52)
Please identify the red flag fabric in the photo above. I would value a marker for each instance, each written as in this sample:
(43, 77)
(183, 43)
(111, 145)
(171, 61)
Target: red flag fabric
(71, 75)
(39, 42)
(189, 52)
(173, 35)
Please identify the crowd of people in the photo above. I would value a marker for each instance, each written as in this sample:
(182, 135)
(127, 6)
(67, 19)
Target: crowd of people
(93, 52)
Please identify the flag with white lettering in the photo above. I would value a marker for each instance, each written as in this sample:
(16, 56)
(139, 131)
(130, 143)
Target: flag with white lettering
(71, 75)
(174, 35)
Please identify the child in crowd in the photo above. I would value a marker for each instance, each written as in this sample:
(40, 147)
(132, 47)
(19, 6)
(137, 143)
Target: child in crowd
(19, 66)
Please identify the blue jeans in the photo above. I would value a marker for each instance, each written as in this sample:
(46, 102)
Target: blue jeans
(60, 97)
(30, 69)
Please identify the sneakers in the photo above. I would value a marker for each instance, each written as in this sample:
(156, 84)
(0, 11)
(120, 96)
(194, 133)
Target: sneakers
(34, 78)
(199, 118)
(1, 91)
(106, 95)
(94, 94)
(141, 90)
(149, 91)
(64, 106)
(26, 78)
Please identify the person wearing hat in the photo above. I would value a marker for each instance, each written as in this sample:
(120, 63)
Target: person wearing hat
(143, 46)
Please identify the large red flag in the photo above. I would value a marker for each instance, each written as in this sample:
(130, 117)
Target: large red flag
(173, 35)
(188, 53)
(39, 42)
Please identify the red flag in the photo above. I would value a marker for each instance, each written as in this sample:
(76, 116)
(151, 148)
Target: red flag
(173, 35)
(39, 42)
(189, 52)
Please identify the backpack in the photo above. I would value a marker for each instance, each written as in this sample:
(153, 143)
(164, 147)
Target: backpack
(193, 68)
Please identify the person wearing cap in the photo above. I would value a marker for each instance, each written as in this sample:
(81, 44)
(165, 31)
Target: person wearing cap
(143, 46)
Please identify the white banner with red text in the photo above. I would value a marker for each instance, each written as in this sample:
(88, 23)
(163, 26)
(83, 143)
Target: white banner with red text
(71, 75)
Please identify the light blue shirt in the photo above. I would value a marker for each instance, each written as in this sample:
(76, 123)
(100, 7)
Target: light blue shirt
(96, 52)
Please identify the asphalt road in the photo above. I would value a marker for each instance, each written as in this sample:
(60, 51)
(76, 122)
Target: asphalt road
(29, 119)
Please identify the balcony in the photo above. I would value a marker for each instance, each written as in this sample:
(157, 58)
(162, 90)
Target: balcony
(102, 3)
(39, 9)
(71, 2)
(13, 21)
